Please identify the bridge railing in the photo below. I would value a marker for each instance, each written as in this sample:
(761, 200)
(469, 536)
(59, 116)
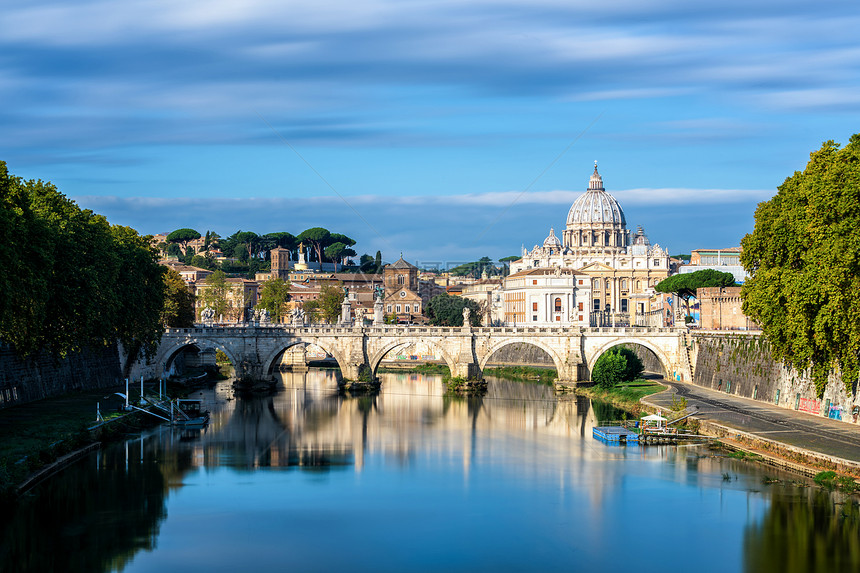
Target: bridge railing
(331, 330)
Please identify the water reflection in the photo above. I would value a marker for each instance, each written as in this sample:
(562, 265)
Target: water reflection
(511, 480)
(94, 517)
(805, 530)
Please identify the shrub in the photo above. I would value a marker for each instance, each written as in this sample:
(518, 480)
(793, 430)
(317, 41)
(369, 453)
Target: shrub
(609, 370)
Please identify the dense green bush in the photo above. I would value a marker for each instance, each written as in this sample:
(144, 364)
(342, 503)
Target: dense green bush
(619, 364)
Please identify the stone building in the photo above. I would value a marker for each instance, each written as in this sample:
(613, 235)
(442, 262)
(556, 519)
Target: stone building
(547, 296)
(720, 309)
(402, 297)
(624, 267)
(487, 292)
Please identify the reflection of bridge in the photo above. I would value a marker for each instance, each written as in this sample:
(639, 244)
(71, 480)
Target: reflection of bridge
(255, 351)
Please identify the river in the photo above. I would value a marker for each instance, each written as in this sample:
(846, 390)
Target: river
(413, 480)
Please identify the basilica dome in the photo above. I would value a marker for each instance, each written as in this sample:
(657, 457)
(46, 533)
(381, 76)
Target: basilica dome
(596, 206)
(552, 242)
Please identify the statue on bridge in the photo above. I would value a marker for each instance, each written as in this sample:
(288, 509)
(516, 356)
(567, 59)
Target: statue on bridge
(467, 315)
(297, 317)
(378, 293)
(208, 316)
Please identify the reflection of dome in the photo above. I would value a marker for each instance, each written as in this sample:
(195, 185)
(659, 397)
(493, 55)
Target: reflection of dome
(596, 206)
(552, 241)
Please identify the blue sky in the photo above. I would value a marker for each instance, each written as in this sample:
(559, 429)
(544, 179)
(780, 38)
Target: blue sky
(447, 130)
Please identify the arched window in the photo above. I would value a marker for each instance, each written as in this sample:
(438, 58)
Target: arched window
(623, 284)
(596, 284)
(638, 285)
(400, 279)
(558, 305)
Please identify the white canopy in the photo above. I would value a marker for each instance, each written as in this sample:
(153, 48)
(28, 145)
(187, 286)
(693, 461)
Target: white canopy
(654, 418)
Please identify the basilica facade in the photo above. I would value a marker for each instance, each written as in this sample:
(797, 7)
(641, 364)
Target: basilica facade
(623, 266)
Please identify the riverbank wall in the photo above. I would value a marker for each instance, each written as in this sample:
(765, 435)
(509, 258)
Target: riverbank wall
(741, 364)
(42, 376)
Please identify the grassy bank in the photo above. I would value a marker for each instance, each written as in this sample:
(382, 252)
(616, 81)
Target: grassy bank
(35, 434)
(420, 368)
(524, 374)
(626, 395)
(519, 373)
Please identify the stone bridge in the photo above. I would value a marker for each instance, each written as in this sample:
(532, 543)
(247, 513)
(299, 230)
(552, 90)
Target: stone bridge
(256, 351)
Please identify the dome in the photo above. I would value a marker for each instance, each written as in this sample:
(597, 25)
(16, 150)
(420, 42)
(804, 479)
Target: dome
(596, 206)
(552, 242)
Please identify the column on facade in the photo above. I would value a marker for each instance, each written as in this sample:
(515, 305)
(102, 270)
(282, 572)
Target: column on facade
(547, 309)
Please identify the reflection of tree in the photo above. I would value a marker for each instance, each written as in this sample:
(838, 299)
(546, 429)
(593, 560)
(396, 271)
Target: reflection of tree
(798, 535)
(88, 521)
(604, 411)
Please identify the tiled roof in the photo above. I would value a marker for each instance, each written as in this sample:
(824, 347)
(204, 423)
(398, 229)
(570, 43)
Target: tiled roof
(401, 264)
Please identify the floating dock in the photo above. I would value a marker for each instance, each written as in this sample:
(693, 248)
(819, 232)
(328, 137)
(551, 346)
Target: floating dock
(615, 434)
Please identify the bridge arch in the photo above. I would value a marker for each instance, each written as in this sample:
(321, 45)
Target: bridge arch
(377, 356)
(269, 361)
(168, 355)
(556, 359)
(591, 359)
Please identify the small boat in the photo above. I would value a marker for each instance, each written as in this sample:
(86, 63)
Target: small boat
(190, 414)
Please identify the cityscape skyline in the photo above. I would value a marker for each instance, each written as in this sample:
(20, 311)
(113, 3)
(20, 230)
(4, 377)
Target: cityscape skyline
(448, 131)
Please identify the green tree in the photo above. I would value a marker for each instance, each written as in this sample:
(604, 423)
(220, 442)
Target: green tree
(69, 279)
(334, 252)
(447, 310)
(506, 263)
(685, 285)
(283, 240)
(619, 364)
(182, 237)
(178, 310)
(203, 261)
(609, 369)
(371, 265)
(475, 269)
(214, 294)
(274, 297)
(329, 303)
(804, 270)
(633, 368)
(317, 238)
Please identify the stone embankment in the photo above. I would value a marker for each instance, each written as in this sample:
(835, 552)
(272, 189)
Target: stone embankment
(740, 364)
(44, 376)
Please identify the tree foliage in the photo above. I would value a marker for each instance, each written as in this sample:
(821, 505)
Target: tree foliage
(182, 237)
(685, 285)
(317, 238)
(274, 296)
(214, 294)
(70, 280)
(476, 269)
(619, 364)
(803, 260)
(327, 306)
(447, 310)
(609, 369)
(178, 311)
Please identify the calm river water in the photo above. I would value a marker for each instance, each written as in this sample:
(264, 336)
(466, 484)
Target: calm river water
(412, 480)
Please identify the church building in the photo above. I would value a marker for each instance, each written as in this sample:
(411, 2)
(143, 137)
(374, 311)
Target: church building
(623, 267)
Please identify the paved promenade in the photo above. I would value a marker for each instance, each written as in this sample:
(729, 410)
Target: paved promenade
(831, 438)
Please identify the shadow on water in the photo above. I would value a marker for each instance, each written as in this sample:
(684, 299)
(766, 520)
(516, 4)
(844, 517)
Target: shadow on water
(101, 512)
